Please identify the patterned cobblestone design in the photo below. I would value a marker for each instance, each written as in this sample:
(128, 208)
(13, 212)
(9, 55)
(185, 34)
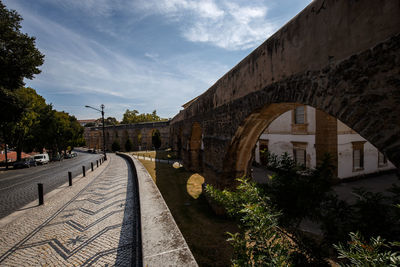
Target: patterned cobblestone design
(94, 228)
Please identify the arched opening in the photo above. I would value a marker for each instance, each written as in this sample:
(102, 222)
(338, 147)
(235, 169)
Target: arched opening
(195, 147)
(138, 140)
(125, 138)
(156, 139)
(306, 134)
(179, 146)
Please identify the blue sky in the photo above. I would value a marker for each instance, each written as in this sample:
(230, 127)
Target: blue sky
(142, 54)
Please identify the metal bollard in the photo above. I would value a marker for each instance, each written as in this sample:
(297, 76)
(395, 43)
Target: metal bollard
(97, 163)
(91, 164)
(40, 189)
(83, 171)
(70, 178)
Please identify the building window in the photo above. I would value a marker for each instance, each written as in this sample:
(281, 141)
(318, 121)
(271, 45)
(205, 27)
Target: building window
(299, 156)
(358, 156)
(299, 115)
(300, 153)
(382, 160)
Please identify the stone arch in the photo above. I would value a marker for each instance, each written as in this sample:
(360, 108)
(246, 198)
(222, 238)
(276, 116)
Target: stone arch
(152, 133)
(137, 142)
(359, 102)
(195, 147)
(358, 84)
(179, 145)
(239, 154)
(125, 137)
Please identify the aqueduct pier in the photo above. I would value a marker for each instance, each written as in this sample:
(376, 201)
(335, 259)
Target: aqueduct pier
(340, 56)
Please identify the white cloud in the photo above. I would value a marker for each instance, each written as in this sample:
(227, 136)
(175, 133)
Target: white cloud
(230, 25)
(152, 56)
(83, 69)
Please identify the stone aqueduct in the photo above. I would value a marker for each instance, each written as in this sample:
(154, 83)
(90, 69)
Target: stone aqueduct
(140, 134)
(341, 57)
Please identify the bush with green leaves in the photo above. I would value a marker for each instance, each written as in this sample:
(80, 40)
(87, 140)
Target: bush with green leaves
(296, 190)
(372, 214)
(376, 252)
(261, 242)
(128, 145)
(269, 216)
(115, 146)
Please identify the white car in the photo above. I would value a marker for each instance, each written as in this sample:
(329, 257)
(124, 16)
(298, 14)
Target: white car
(41, 158)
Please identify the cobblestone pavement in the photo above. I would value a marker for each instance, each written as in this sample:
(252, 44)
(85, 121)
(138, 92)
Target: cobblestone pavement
(90, 224)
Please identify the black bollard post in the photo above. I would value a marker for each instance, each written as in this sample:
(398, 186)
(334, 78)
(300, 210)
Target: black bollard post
(70, 178)
(97, 163)
(40, 189)
(91, 164)
(83, 171)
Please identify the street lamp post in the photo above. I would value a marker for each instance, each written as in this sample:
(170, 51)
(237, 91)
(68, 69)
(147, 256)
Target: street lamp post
(102, 118)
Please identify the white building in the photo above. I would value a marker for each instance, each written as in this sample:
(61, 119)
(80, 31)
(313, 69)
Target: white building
(294, 132)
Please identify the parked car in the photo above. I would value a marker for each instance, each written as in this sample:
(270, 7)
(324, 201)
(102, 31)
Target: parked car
(57, 157)
(24, 163)
(74, 154)
(42, 158)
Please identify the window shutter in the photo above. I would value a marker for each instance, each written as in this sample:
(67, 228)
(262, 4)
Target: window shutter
(299, 115)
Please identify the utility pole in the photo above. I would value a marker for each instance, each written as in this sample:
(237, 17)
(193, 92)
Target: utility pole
(102, 117)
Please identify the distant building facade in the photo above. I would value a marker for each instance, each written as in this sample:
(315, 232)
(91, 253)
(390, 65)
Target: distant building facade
(294, 133)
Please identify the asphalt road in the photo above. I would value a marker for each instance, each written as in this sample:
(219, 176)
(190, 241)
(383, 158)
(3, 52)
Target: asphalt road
(19, 187)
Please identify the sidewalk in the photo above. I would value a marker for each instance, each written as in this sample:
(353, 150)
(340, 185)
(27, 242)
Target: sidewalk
(88, 224)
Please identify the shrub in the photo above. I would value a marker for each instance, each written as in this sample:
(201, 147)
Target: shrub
(376, 252)
(115, 146)
(128, 145)
(261, 241)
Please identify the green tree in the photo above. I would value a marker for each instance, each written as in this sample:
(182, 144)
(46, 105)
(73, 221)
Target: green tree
(33, 105)
(128, 145)
(115, 146)
(107, 122)
(156, 139)
(299, 193)
(133, 116)
(19, 59)
(139, 138)
(261, 241)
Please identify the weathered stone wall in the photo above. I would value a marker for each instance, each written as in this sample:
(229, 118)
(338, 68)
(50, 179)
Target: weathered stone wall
(342, 57)
(121, 133)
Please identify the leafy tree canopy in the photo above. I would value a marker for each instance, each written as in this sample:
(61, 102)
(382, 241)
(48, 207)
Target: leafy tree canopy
(133, 116)
(19, 58)
(107, 121)
(40, 126)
